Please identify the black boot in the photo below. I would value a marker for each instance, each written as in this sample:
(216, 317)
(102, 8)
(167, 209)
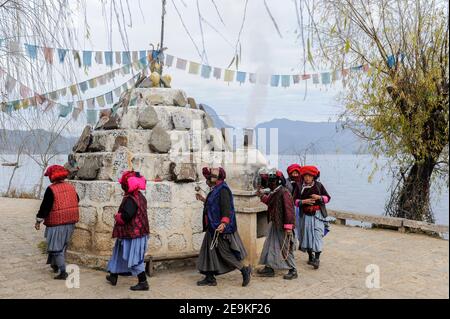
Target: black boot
(142, 284)
(55, 268)
(62, 276)
(112, 278)
(209, 280)
(292, 274)
(246, 275)
(266, 272)
(310, 257)
(316, 262)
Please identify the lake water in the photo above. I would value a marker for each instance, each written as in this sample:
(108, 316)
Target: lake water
(344, 176)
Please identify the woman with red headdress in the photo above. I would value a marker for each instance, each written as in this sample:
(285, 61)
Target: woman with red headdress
(59, 212)
(294, 180)
(222, 250)
(313, 224)
(131, 230)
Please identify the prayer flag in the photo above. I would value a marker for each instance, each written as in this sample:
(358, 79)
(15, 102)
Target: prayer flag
(87, 58)
(109, 98)
(315, 78)
(101, 100)
(99, 57)
(274, 80)
(229, 75)
(91, 117)
(326, 77)
(31, 50)
(194, 67)
(48, 55)
(241, 76)
(181, 64)
(109, 58)
(285, 80)
(126, 59)
(169, 60)
(217, 73)
(62, 55)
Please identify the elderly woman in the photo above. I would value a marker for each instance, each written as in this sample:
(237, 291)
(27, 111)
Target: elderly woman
(313, 197)
(59, 212)
(278, 249)
(131, 230)
(222, 249)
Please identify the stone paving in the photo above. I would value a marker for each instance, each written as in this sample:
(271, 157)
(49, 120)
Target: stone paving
(410, 265)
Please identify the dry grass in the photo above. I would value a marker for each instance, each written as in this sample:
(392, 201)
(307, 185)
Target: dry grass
(14, 193)
(42, 247)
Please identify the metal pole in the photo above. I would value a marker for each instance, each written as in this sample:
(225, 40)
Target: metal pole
(163, 12)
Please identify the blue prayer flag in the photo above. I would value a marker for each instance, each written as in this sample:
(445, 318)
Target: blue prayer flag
(87, 58)
(61, 55)
(206, 71)
(240, 76)
(109, 58)
(126, 58)
(275, 80)
(31, 50)
(285, 80)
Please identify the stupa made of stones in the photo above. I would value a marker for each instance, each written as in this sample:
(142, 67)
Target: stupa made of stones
(167, 138)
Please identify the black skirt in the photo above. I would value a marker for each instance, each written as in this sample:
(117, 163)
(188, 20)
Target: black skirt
(226, 256)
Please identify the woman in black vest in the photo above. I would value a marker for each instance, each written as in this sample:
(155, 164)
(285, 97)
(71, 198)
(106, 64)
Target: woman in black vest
(222, 249)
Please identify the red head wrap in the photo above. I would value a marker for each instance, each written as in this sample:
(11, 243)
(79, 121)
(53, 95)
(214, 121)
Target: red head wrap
(310, 170)
(207, 173)
(56, 173)
(292, 168)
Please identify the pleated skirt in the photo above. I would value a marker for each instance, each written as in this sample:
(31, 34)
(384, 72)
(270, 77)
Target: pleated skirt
(271, 254)
(311, 232)
(226, 256)
(128, 256)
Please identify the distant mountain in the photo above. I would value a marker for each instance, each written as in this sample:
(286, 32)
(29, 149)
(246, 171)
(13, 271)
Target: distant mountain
(35, 142)
(297, 137)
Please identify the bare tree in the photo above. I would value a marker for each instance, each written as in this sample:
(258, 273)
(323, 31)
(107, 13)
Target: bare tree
(400, 107)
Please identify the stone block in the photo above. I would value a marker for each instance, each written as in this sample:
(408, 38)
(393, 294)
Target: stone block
(159, 192)
(88, 170)
(148, 118)
(102, 243)
(108, 215)
(81, 240)
(88, 215)
(154, 243)
(99, 192)
(84, 140)
(176, 242)
(197, 240)
(160, 140)
(121, 162)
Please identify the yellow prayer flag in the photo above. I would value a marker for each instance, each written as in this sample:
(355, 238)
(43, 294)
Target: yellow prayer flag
(194, 67)
(229, 75)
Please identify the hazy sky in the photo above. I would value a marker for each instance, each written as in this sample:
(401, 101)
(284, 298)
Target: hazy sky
(262, 50)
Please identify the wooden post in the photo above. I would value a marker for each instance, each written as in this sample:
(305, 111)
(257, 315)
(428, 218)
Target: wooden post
(163, 13)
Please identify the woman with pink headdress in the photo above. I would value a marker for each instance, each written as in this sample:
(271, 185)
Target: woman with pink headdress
(131, 231)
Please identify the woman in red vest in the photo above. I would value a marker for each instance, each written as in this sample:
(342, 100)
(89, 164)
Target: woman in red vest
(59, 212)
(131, 230)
